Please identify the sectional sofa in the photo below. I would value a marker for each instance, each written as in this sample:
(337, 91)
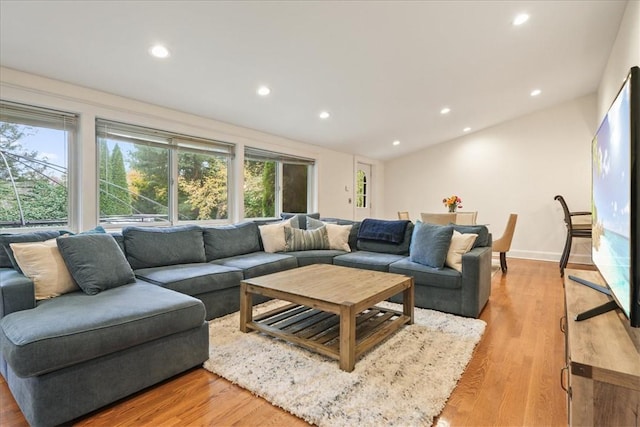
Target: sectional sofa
(140, 315)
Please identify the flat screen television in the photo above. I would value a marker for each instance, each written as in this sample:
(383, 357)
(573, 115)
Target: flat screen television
(615, 242)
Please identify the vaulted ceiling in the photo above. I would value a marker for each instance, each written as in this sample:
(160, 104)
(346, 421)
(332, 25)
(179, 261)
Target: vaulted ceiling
(384, 70)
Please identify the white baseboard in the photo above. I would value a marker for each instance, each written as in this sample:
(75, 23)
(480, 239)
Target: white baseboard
(549, 256)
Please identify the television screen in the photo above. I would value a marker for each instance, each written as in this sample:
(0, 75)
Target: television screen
(614, 185)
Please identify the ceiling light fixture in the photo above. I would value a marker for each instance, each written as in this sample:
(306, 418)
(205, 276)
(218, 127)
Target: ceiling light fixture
(324, 115)
(520, 19)
(536, 92)
(263, 91)
(467, 129)
(445, 110)
(396, 142)
(159, 51)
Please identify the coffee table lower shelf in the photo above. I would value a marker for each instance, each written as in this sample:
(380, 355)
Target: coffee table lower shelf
(319, 331)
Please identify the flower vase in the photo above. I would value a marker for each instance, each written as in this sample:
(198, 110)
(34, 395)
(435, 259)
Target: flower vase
(452, 208)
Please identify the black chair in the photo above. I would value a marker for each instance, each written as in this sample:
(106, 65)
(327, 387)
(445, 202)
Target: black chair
(573, 230)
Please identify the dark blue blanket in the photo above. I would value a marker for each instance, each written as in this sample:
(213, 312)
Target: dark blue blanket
(383, 230)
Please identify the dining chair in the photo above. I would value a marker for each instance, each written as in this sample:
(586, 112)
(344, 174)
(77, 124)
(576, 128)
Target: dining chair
(503, 244)
(580, 229)
(438, 218)
(466, 218)
(403, 215)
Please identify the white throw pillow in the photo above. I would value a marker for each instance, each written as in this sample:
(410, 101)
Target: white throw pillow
(42, 263)
(460, 244)
(339, 236)
(272, 235)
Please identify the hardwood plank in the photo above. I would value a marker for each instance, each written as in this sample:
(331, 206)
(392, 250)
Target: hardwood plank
(512, 379)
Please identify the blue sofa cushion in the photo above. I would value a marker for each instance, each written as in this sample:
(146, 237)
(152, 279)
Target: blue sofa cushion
(6, 254)
(153, 247)
(301, 218)
(95, 261)
(387, 247)
(481, 230)
(430, 244)
(367, 260)
(192, 279)
(231, 240)
(259, 263)
(77, 327)
(428, 276)
(319, 256)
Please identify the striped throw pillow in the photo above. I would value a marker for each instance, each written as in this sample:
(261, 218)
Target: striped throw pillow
(305, 240)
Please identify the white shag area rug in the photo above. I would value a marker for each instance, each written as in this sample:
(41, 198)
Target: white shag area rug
(404, 381)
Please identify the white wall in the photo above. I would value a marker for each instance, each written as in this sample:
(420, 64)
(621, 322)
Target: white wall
(514, 167)
(334, 171)
(624, 54)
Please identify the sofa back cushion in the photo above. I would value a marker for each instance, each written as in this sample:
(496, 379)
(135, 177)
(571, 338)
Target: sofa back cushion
(154, 247)
(231, 240)
(401, 248)
(482, 231)
(301, 218)
(6, 253)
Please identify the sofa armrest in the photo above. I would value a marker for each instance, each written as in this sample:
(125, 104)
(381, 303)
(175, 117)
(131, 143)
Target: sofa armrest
(16, 292)
(476, 280)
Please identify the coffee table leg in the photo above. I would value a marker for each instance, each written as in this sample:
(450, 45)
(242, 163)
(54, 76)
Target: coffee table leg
(347, 337)
(246, 309)
(408, 302)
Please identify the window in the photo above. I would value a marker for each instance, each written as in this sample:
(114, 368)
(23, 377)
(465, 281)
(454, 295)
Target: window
(275, 183)
(152, 176)
(361, 189)
(34, 165)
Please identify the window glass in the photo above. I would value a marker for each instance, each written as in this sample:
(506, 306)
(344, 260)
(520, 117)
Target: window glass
(152, 176)
(34, 175)
(259, 189)
(202, 187)
(361, 189)
(275, 183)
(294, 187)
(134, 182)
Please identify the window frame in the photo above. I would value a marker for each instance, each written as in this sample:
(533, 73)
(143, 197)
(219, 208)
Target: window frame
(175, 143)
(50, 118)
(256, 154)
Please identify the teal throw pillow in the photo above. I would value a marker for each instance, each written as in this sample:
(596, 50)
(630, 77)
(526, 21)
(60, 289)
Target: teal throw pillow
(95, 261)
(430, 244)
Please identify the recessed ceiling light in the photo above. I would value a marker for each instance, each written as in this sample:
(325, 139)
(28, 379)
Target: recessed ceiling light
(520, 19)
(445, 110)
(536, 92)
(396, 142)
(467, 129)
(159, 51)
(324, 115)
(263, 91)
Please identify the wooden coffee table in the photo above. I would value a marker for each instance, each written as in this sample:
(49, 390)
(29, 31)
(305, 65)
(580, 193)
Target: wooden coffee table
(332, 308)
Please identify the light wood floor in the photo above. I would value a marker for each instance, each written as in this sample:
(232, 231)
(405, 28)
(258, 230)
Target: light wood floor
(513, 378)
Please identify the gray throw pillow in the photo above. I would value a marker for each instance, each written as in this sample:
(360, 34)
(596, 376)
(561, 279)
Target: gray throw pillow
(305, 240)
(95, 262)
(6, 254)
(430, 244)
